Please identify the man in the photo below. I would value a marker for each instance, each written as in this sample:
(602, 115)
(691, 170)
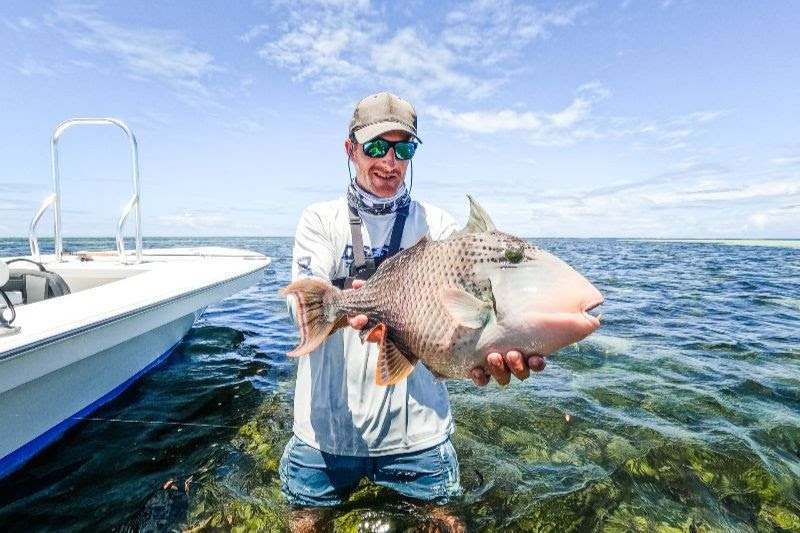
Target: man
(346, 427)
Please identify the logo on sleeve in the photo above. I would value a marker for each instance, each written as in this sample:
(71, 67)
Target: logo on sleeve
(304, 266)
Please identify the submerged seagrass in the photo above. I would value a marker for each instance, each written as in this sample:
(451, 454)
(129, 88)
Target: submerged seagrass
(450, 303)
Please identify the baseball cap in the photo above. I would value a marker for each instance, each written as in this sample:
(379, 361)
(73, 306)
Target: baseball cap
(378, 113)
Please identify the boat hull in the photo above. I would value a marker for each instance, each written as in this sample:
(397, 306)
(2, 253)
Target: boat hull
(38, 412)
(49, 385)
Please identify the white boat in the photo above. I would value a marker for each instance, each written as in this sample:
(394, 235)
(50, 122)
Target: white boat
(76, 329)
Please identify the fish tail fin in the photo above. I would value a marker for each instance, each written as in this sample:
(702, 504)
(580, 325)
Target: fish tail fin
(316, 315)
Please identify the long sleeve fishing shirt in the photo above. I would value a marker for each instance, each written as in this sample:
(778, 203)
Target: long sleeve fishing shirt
(338, 407)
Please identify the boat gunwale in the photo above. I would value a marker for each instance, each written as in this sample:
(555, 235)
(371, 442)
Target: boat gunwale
(64, 335)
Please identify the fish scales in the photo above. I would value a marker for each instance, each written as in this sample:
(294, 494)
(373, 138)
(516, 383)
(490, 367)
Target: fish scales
(450, 303)
(404, 295)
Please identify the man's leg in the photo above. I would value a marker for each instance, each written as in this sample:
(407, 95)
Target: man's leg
(312, 480)
(431, 475)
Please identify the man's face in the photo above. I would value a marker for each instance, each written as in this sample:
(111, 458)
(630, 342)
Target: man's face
(379, 176)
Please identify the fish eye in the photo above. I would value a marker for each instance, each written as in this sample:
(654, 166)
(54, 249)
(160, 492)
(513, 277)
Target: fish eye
(515, 255)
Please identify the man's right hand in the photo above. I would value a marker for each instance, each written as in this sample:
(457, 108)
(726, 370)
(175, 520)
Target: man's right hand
(358, 321)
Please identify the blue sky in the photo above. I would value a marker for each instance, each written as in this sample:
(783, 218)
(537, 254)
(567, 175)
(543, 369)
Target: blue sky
(567, 119)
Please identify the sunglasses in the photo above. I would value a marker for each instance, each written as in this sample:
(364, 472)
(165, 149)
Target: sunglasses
(378, 147)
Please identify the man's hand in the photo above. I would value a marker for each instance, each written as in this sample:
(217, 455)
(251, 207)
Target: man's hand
(358, 321)
(501, 367)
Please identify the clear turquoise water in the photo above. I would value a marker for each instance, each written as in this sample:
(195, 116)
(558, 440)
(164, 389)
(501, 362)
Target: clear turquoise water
(684, 413)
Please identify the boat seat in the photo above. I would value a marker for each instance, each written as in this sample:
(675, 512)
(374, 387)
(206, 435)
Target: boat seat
(34, 285)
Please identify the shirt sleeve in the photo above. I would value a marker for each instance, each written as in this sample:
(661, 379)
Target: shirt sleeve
(442, 226)
(312, 255)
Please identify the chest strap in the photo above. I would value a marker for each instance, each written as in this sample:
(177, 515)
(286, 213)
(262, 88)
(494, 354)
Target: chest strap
(362, 266)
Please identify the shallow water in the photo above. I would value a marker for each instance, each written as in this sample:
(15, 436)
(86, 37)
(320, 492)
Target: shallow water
(681, 414)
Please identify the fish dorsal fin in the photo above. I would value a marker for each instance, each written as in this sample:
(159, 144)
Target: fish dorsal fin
(393, 366)
(479, 220)
(465, 309)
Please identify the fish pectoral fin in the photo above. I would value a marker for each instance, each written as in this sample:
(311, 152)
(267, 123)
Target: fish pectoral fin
(393, 366)
(465, 309)
(372, 332)
(479, 220)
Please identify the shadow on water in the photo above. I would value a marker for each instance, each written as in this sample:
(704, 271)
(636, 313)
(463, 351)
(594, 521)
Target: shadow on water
(681, 415)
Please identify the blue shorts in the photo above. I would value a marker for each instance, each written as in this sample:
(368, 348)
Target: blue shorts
(312, 478)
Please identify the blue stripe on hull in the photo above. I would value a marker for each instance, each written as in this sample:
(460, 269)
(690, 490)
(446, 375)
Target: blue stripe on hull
(20, 456)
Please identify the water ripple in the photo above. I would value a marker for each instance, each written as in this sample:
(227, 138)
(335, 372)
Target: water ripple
(682, 413)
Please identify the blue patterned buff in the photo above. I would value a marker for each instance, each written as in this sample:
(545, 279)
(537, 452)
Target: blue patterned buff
(366, 202)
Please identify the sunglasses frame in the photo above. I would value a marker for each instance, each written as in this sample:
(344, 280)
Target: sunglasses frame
(390, 144)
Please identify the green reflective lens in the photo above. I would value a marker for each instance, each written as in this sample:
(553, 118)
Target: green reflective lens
(380, 147)
(404, 150)
(376, 147)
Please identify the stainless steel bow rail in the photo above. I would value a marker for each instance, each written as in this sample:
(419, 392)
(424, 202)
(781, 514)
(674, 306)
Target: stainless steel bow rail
(55, 201)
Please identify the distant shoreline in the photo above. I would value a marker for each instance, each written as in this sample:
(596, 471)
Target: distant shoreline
(774, 243)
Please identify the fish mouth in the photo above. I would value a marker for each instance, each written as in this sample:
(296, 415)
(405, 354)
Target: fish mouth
(592, 314)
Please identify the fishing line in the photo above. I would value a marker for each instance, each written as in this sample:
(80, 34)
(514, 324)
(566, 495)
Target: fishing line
(153, 422)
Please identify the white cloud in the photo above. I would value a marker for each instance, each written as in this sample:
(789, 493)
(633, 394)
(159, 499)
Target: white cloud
(420, 69)
(145, 53)
(543, 128)
(215, 221)
(759, 220)
(469, 53)
(315, 49)
(8, 206)
(32, 67)
(723, 192)
(785, 161)
(667, 135)
(247, 126)
(192, 220)
(253, 33)
(21, 24)
(770, 218)
(491, 32)
(579, 121)
(693, 200)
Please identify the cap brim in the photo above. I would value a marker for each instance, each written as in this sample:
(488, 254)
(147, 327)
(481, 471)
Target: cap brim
(374, 130)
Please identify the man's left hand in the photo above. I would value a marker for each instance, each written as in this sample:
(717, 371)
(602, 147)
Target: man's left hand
(502, 366)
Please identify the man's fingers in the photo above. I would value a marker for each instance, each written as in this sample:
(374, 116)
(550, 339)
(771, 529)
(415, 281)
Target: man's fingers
(536, 363)
(497, 368)
(358, 283)
(479, 377)
(516, 364)
(357, 321)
